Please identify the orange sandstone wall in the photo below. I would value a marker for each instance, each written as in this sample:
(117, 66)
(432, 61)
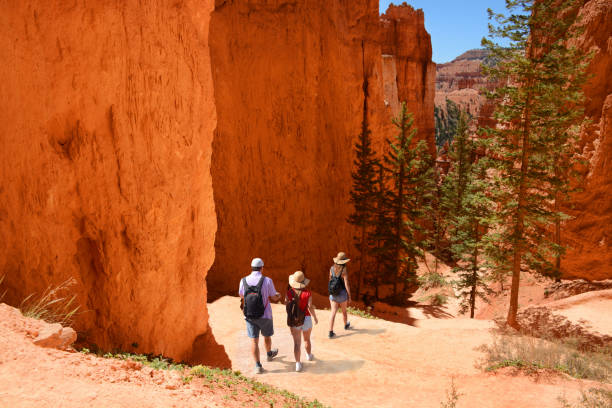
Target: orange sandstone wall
(118, 123)
(106, 124)
(289, 89)
(408, 44)
(589, 234)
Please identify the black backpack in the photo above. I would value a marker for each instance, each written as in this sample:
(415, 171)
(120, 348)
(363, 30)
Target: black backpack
(253, 301)
(295, 314)
(336, 283)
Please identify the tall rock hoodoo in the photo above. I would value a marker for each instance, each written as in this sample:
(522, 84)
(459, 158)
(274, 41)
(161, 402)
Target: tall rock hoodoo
(289, 87)
(589, 234)
(146, 146)
(107, 121)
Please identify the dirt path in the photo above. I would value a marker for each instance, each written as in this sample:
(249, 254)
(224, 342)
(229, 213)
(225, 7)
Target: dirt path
(592, 308)
(386, 364)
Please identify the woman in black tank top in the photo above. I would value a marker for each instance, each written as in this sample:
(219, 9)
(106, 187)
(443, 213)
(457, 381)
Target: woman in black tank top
(339, 285)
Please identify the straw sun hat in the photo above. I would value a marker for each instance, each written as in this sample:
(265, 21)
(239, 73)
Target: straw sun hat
(341, 258)
(298, 280)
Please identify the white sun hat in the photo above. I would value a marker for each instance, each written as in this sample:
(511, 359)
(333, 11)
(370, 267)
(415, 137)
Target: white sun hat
(257, 263)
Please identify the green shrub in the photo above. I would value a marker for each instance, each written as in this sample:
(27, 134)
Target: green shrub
(432, 280)
(362, 313)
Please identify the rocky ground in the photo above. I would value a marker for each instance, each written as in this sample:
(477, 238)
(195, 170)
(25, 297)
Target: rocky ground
(377, 363)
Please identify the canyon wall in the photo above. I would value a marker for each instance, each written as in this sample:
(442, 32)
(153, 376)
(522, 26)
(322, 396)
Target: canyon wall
(106, 125)
(589, 234)
(290, 81)
(148, 144)
(406, 49)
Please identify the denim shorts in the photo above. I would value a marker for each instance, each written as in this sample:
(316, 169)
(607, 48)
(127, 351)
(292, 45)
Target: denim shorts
(340, 297)
(306, 326)
(254, 326)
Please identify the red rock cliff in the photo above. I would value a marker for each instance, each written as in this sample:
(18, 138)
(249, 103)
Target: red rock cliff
(289, 88)
(144, 144)
(106, 121)
(589, 234)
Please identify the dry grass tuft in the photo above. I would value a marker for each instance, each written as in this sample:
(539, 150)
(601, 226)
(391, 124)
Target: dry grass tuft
(532, 354)
(593, 398)
(55, 305)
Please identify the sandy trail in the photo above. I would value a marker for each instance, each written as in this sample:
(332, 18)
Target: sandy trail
(385, 364)
(593, 308)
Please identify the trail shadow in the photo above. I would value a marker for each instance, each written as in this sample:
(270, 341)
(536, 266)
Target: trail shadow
(316, 366)
(355, 330)
(289, 365)
(435, 311)
(332, 366)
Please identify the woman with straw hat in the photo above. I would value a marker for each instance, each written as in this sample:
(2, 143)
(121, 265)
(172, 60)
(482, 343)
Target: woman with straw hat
(297, 289)
(339, 290)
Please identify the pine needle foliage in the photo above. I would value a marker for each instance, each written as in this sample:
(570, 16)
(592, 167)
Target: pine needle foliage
(469, 211)
(537, 112)
(409, 168)
(363, 194)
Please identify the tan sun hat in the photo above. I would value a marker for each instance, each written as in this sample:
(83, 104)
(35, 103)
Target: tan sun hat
(341, 258)
(298, 280)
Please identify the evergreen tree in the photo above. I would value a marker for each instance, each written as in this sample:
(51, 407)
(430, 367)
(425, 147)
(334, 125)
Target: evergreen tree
(381, 234)
(446, 122)
(470, 215)
(541, 74)
(410, 169)
(363, 194)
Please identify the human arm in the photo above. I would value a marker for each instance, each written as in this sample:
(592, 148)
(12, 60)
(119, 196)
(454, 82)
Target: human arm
(311, 309)
(275, 297)
(346, 283)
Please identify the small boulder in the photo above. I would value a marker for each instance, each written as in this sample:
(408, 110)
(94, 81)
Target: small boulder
(55, 336)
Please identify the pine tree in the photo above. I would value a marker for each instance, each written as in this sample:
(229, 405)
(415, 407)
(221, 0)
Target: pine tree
(363, 192)
(469, 213)
(540, 81)
(381, 234)
(410, 170)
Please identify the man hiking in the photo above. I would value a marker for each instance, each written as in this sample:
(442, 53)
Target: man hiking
(257, 291)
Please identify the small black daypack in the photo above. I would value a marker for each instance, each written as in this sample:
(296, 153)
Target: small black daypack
(295, 314)
(254, 306)
(336, 283)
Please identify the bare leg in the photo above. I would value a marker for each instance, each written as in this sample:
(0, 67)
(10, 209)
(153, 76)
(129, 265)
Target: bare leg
(343, 305)
(334, 309)
(307, 342)
(268, 343)
(297, 343)
(255, 349)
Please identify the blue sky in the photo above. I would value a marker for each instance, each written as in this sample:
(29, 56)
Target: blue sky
(455, 26)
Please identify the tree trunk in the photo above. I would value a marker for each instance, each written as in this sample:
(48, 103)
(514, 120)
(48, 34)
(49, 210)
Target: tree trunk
(399, 212)
(361, 259)
(519, 225)
(474, 274)
(557, 239)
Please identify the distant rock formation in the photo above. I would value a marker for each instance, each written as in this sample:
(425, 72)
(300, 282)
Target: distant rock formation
(458, 86)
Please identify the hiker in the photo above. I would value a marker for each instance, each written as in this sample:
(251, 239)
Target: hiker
(300, 313)
(257, 291)
(339, 290)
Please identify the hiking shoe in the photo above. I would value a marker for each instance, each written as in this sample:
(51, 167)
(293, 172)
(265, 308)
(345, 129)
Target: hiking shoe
(347, 326)
(310, 357)
(298, 367)
(331, 334)
(272, 353)
(258, 369)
